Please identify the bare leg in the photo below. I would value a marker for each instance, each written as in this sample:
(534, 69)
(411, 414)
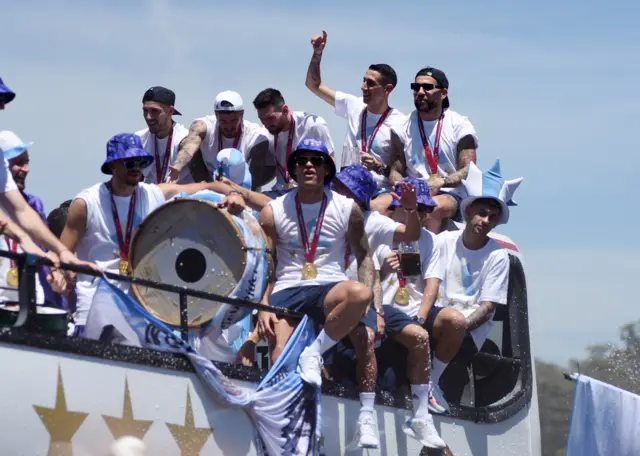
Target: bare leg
(448, 331)
(284, 328)
(447, 207)
(363, 340)
(345, 305)
(416, 340)
(421, 427)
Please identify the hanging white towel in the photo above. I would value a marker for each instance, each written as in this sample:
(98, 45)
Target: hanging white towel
(605, 420)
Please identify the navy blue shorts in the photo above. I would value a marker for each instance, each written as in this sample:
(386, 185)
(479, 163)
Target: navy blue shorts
(309, 300)
(395, 320)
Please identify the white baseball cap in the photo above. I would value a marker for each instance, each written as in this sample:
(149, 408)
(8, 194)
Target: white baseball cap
(11, 146)
(228, 97)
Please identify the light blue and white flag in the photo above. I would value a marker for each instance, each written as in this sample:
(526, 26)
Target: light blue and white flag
(284, 410)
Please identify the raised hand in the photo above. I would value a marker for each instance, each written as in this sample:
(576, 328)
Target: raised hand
(319, 42)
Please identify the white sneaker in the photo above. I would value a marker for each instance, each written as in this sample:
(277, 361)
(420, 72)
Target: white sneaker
(310, 367)
(437, 402)
(424, 431)
(366, 435)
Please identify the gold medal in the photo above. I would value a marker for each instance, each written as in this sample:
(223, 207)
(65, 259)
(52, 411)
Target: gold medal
(124, 267)
(12, 277)
(432, 178)
(402, 297)
(309, 271)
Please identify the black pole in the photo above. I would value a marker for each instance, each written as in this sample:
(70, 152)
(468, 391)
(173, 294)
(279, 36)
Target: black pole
(184, 317)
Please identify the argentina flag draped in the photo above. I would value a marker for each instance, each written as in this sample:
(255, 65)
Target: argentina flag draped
(284, 410)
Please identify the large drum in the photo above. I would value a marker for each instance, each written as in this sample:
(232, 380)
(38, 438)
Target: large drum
(191, 242)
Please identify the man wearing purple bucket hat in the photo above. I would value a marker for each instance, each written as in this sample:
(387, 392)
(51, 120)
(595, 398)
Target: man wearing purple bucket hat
(308, 228)
(357, 183)
(103, 218)
(6, 95)
(410, 278)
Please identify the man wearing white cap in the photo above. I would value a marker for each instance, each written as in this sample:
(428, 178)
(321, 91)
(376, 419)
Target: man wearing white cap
(476, 277)
(227, 128)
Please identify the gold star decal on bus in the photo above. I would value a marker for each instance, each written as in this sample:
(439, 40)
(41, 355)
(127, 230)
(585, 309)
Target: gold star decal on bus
(190, 439)
(61, 424)
(127, 425)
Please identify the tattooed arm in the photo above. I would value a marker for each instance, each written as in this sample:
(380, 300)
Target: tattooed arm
(466, 155)
(357, 239)
(188, 148)
(397, 170)
(314, 80)
(481, 315)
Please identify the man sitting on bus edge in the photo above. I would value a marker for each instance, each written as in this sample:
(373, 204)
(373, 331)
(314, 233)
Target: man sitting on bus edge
(476, 274)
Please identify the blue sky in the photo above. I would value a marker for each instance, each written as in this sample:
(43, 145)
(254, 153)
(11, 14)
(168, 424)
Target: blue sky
(550, 87)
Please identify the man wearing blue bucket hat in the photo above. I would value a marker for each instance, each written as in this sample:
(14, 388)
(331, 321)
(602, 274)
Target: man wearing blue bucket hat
(476, 271)
(103, 218)
(411, 274)
(357, 183)
(309, 228)
(6, 95)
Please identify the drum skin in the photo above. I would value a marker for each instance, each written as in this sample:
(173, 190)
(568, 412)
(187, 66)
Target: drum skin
(190, 242)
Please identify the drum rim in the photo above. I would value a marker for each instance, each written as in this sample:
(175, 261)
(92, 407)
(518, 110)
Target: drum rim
(134, 287)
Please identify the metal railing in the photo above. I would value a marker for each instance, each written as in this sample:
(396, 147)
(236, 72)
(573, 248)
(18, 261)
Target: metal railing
(28, 265)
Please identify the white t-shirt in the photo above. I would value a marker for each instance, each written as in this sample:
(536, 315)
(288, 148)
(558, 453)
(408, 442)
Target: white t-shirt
(252, 134)
(306, 126)
(351, 107)
(431, 267)
(380, 231)
(454, 128)
(150, 142)
(329, 257)
(472, 277)
(7, 183)
(99, 244)
(5, 265)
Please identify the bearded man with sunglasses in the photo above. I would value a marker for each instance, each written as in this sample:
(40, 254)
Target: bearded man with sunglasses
(439, 145)
(103, 218)
(309, 229)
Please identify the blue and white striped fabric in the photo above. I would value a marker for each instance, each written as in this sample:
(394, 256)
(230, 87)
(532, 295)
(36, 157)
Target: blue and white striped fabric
(284, 410)
(490, 184)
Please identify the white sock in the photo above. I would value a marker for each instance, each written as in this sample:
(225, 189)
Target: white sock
(420, 395)
(322, 343)
(437, 368)
(367, 400)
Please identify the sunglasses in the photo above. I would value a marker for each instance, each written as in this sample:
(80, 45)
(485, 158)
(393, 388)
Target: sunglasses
(316, 160)
(132, 163)
(426, 87)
